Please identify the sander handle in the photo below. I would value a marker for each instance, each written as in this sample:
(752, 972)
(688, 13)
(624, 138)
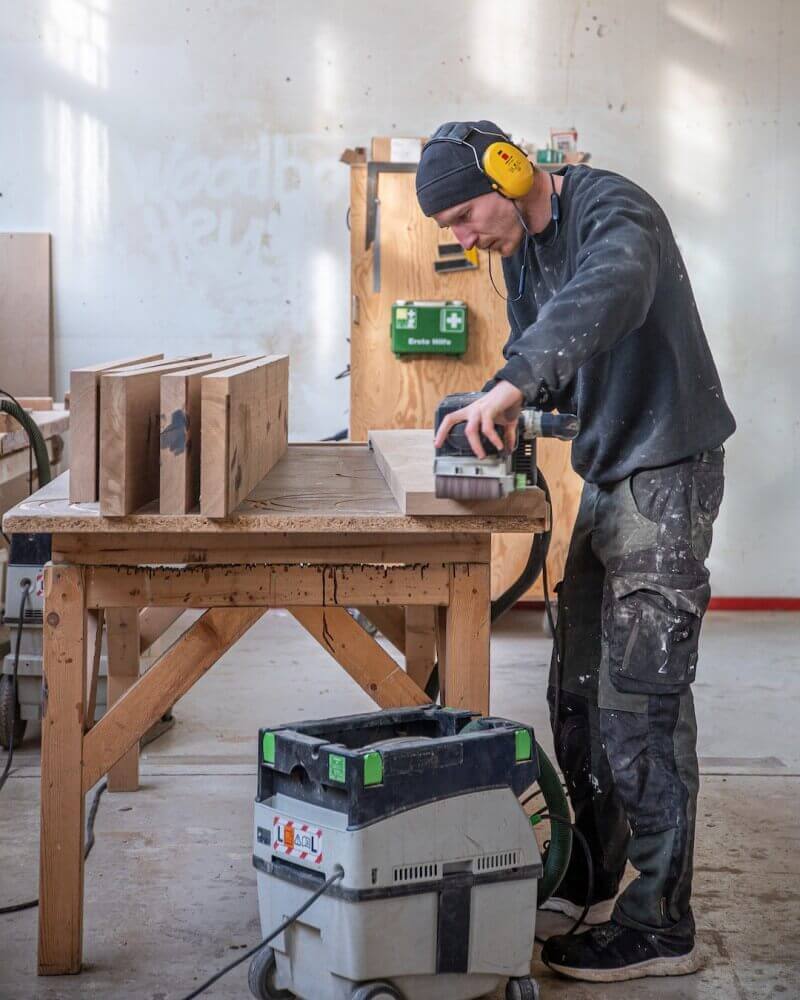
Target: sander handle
(538, 423)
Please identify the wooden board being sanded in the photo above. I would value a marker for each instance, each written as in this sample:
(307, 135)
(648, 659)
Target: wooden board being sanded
(406, 460)
(130, 415)
(181, 407)
(244, 431)
(84, 405)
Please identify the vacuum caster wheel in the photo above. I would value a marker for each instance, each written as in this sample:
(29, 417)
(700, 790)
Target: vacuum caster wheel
(12, 728)
(261, 977)
(376, 991)
(522, 989)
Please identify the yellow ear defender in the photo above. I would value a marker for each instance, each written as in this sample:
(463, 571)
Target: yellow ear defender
(506, 165)
(508, 168)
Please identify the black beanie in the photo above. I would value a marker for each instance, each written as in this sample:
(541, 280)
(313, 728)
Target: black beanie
(448, 173)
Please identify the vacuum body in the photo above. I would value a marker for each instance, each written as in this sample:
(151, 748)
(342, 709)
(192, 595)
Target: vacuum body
(438, 899)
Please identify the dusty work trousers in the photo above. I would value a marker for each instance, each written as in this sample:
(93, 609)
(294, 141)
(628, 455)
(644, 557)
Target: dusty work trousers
(634, 593)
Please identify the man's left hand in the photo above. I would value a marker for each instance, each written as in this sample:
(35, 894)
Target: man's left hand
(501, 405)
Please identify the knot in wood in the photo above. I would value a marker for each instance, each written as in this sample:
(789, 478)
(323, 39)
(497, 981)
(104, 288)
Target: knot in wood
(53, 620)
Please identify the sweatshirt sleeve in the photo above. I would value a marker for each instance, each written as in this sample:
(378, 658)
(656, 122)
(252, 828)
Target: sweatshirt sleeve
(608, 296)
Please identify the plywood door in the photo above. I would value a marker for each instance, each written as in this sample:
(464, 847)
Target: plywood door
(387, 392)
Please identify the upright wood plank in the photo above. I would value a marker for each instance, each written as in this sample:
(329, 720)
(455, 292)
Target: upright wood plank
(244, 431)
(62, 803)
(123, 672)
(368, 664)
(156, 691)
(130, 412)
(25, 314)
(84, 394)
(467, 637)
(181, 403)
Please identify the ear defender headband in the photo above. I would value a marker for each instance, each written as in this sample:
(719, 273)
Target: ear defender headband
(508, 169)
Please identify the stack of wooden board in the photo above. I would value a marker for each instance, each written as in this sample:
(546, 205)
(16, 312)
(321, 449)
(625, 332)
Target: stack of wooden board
(180, 432)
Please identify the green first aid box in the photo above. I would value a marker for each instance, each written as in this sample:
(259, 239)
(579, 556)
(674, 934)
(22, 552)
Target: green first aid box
(429, 328)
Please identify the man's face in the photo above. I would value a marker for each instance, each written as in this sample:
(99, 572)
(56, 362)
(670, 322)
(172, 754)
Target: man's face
(488, 222)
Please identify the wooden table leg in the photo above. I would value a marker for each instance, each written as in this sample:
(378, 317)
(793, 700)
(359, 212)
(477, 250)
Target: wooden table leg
(123, 671)
(420, 642)
(466, 639)
(62, 801)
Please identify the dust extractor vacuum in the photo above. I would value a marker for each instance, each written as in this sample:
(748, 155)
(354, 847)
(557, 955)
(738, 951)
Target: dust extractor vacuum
(437, 868)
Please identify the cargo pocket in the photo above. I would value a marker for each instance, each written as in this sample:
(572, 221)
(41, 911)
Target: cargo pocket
(652, 631)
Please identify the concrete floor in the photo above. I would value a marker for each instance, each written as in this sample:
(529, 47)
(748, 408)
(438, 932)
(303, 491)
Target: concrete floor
(170, 890)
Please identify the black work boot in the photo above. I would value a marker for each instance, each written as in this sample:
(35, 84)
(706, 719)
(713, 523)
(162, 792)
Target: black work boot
(612, 953)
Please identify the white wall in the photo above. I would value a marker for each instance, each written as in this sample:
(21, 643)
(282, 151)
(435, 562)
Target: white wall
(184, 156)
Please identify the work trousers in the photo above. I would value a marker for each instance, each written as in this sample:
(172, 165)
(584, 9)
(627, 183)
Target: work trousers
(630, 606)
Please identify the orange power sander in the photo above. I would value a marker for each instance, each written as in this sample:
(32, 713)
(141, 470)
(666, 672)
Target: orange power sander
(461, 475)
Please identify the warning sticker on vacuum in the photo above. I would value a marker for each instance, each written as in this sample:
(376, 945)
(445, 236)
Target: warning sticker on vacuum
(295, 839)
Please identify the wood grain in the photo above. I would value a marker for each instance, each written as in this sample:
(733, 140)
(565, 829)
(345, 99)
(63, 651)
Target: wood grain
(273, 585)
(130, 408)
(467, 639)
(314, 488)
(155, 692)
(368, 664)
(25, 314)
(62, 802)
(84, 396)
(123, 672)
(181, 407)
(406, 460)
(245, 416)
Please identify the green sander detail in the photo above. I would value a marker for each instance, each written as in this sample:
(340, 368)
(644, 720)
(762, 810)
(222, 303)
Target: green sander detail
(461, 475)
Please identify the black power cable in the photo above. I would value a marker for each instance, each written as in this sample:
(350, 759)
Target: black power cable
(540, 816)
(338, 873)
(26, 589)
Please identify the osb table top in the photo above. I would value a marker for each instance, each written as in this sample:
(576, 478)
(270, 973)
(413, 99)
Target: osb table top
(333, 487)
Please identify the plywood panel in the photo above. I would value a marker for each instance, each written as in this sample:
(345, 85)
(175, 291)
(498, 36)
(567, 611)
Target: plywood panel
(130, 409)
(244, 431)
(84, 394)
(389, 393)
(181, 403)
(25, 329)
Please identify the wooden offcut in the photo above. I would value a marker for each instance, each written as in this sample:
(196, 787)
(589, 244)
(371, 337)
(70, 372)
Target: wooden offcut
(244, 431)
(406, 460)
(130, 409)
(84, 396)
(181, 402)
(25, 314)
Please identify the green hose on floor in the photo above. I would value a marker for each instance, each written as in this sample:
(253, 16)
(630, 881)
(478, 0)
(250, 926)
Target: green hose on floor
(35, 438)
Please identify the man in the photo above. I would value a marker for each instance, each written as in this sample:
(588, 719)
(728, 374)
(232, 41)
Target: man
(604, 324)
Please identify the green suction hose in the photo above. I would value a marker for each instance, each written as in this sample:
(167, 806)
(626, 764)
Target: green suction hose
(35, 438)
(557, 855)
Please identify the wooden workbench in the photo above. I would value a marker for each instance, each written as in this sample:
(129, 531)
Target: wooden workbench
(320, 534)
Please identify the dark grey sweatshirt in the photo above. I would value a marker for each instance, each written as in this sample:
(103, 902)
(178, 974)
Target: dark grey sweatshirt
(607, 328)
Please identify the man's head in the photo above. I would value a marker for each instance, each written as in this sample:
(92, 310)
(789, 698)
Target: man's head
(453, 189)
